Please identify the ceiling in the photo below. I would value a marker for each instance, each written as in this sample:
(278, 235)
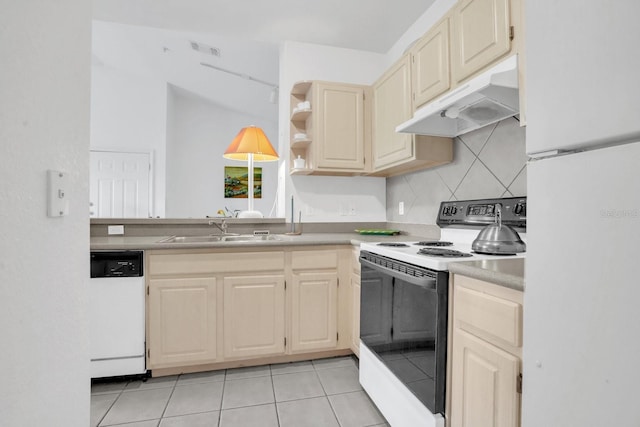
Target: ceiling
(152, 38)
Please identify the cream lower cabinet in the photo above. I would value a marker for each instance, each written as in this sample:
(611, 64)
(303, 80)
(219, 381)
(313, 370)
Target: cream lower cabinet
(355, 301)
(314, 316)
(208, 306)
(314, 300)
(485, 352)
(219, 308)
(183, 313)
(254, 315)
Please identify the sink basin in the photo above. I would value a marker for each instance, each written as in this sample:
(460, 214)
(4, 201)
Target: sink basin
(210, 239)
(250, 238)
(191, 239)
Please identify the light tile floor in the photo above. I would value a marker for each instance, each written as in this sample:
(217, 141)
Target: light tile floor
(303, 394)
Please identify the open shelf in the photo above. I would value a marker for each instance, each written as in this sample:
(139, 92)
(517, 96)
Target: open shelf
(300, 143)
(304, 171)
(300, 115)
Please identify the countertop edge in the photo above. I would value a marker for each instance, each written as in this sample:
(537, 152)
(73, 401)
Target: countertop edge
(512, 281)
(309, 239)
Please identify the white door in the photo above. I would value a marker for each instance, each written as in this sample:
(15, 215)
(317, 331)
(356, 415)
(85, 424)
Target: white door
(119, 185)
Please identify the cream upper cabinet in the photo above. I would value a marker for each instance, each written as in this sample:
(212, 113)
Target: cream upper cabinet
(485, 352)
(392, 106)
(254, 319)
(430, 64)
(330, 128)
(183, 321)
(340, 126)
(314, 300)
(398, 153)
(480, 34)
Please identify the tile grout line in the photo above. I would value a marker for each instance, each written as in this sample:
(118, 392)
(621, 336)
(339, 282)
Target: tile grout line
(326, 396)
(275, 401)
(224, 384)
(173, 389)
(111, 406)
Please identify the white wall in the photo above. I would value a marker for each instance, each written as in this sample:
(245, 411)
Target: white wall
(129, 113)
(198, 133)
(323, 198)
(44, 262)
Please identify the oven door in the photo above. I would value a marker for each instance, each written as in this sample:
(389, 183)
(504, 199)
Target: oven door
(403, 322)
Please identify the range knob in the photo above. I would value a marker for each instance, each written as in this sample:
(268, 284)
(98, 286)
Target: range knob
(520, 209)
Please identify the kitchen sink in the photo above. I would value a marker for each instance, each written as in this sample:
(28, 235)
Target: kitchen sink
(250, 238)
(212, 239)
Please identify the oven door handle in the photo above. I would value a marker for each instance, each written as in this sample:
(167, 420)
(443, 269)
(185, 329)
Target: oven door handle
(423, 282)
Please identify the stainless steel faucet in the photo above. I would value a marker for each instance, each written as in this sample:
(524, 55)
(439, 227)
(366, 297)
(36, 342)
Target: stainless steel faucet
(223, 226)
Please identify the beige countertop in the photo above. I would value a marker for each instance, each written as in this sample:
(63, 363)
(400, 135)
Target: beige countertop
(152, 242)
(504, 272)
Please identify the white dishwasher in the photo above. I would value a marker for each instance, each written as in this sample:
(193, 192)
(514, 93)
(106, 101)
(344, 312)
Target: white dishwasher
(116, 314)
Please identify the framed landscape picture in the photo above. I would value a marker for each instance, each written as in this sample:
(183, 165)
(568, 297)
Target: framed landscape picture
(236, 182)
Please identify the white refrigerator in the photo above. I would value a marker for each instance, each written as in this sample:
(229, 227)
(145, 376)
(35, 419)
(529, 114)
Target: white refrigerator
(581, 356)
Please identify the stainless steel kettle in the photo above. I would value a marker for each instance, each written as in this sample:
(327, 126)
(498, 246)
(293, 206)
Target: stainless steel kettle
(498, 239)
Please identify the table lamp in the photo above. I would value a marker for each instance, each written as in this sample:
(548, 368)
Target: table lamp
(251, 144)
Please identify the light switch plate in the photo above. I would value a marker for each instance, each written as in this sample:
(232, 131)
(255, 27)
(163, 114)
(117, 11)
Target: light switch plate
(57, 197)
(401, 208)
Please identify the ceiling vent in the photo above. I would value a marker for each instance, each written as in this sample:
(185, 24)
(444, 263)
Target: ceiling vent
(203, 48)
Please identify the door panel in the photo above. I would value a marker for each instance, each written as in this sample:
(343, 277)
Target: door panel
(182, 321)
(314, 317)
(119, 185)
(253, 315)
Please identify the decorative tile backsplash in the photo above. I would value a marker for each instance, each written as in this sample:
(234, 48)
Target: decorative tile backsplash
(488, 163)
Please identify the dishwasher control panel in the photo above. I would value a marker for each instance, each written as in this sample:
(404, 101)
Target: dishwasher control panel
(116, 264)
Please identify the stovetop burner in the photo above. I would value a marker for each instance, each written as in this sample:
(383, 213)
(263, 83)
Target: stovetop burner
(444, 253)
(433, 243)
(394, 244)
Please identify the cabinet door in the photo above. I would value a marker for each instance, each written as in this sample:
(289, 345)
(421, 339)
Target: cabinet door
(430, 66)
(339, 134)
(392, 106)
(480, 35)
(314, 311)
(483, 384)
(182, 321)
(253, 315)
(355, 313)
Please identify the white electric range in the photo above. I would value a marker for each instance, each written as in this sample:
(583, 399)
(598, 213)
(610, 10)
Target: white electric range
(403, 310)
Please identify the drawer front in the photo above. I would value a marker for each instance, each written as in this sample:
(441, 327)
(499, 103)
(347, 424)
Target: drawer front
(207, 263)
(493, 318)
(307, 260)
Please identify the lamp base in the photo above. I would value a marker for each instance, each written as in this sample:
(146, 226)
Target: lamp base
(250, 214)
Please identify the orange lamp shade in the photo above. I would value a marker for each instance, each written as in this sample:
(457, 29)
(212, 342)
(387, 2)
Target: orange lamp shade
(251, 140)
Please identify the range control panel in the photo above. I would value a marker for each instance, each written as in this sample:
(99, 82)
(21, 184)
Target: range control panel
(470, 213)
